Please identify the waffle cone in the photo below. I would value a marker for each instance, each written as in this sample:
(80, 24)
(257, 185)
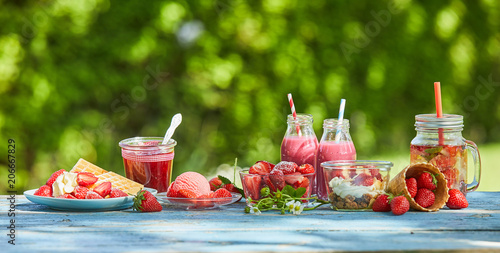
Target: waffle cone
(398, 185)
(117, 181)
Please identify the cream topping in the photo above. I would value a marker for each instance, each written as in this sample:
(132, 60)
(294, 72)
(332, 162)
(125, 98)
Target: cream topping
(65, 183)
(344, 187)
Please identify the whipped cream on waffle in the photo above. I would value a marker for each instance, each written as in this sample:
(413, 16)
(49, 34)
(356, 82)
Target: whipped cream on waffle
(344, 187)
(65, 183)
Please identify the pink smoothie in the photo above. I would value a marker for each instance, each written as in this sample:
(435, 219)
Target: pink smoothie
(331, 151)
(299, 149)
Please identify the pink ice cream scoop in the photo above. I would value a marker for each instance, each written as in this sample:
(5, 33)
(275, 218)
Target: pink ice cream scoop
(193, 181)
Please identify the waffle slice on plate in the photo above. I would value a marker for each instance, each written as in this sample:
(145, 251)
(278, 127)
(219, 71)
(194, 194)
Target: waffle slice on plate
(117, 181)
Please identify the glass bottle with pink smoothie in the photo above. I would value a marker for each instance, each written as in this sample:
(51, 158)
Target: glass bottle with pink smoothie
(300, 143)
(336, 144)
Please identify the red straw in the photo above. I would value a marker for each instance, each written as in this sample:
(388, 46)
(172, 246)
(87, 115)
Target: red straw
(292, 106)
(439, 109)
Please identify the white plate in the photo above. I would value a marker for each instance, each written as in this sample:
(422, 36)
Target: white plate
(198, 203)
(84, 205)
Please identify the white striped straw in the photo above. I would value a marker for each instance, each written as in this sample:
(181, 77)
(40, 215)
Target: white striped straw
(294, 113)
(341, 118)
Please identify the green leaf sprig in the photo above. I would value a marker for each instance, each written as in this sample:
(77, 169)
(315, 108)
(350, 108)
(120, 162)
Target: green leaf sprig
(288, 199)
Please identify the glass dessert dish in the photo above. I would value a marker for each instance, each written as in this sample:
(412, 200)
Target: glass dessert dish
(254, 183)
(353, 185)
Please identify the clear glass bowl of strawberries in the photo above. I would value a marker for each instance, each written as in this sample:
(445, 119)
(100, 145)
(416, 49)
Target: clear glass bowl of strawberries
(275, 177)
(355, 184)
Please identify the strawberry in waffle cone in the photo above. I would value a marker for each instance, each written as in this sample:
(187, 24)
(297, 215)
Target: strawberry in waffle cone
(397, 185)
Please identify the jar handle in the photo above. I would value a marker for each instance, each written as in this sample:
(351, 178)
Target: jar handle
(471, 146)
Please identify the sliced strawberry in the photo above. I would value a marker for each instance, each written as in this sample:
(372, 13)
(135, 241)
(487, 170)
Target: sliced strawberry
(305, 183)
(376, 174)
(269, 183)
(363, 179)
(54, 176)
(286, 167)
(251, 185)
(66, 196)
(268, 164)
(306, 169)
(260, 168)
(215, 183)
(222, 193)
(172, 192)
(93, 195)
(117, 193)
(86, 179)
(103, 189)
(294, 178)
(80, 192)
(44, 191)
(185, 193)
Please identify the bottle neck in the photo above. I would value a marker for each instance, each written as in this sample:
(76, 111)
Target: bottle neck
(302, 125)
(333, 130)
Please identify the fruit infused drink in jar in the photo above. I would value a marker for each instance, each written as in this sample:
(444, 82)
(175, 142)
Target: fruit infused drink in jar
(332, 148)
(148, 161)
(300, 143)
(439, 142)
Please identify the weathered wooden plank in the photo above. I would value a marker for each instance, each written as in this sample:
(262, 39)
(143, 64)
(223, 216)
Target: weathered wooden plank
(229, 229)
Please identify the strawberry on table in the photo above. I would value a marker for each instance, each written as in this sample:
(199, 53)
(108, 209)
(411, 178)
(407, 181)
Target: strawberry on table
(411, 185)
(117, 193)
(44, 191)
(427, 180)
(457, 200)
(80, 192)
(381, 204)
(86, 178)
(146, 202)
(400, 205)
(261, 168)
(93, 195)
(54, 176)
(425, 197)
(103, 189)
(306, 169)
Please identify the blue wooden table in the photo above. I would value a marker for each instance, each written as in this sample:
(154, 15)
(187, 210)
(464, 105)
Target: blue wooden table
(229, 229)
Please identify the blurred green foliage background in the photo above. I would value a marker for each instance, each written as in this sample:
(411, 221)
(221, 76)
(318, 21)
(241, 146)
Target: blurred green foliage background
(76, 77)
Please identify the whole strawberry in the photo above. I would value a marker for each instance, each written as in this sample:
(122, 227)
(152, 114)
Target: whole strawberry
(381, 204)
(215, 183)
(457, 200)
(146, 202)
(427, 180)
(425, 197)
(400, 205)
(411, 185)
(286, 167)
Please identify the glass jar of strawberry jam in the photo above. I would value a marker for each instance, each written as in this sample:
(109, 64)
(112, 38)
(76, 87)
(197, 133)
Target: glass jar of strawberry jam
(439, 141)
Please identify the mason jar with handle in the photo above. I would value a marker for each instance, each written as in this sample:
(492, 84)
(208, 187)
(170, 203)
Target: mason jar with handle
(439, 141)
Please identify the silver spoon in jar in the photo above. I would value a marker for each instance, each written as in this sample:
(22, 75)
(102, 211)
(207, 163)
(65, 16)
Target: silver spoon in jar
(176, 121)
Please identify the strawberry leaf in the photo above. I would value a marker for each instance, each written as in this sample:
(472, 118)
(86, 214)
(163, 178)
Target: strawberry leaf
(299, 192)
(224, 180)
(288, 190)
